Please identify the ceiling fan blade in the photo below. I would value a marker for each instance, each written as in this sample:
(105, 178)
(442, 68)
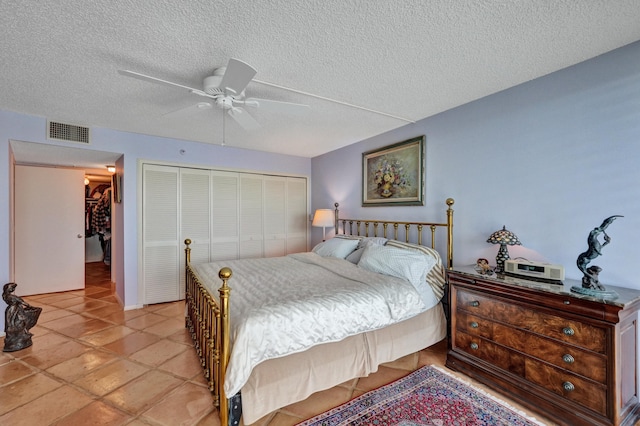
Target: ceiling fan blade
(280, 107)
(163, 82)
(190, 110)
(244, 119)
(236, 77)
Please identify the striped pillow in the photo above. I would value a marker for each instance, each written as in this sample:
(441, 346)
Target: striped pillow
(348, 237)
(436, 277)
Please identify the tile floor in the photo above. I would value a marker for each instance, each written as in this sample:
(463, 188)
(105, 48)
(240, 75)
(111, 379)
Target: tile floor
(93, 364)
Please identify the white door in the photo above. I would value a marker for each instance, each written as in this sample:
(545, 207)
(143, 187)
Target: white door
(297, 217)
(275, 212)
(49, 229)
(160, 240)
(251, 208)
(195, 218)
(225, 222)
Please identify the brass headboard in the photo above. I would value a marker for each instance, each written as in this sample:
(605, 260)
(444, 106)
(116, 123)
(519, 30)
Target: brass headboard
(370, 228)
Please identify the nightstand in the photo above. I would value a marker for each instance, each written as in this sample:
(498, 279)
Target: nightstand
(570, 357)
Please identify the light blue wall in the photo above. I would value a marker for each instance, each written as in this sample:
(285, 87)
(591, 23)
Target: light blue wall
(550, 159)
(135, 147)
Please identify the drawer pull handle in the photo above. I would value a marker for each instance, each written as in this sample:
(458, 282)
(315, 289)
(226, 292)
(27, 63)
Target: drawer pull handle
(474, 324)
(474, 303)
(568, 386)
(568, 331)
(567, 302)
(568, 358)
(474, 346)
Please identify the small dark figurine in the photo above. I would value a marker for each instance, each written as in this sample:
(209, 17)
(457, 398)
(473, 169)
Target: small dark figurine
(590, 279)
(482, 267)
(19, 318)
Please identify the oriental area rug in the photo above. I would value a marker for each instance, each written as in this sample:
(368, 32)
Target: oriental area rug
(428, 396)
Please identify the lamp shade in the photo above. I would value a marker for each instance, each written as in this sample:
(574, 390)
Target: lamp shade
(505, 238)
(323, 218)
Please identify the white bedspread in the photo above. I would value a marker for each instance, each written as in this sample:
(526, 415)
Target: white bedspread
(287, 304)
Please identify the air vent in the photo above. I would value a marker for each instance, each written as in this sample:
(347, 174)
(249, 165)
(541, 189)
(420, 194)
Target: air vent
(67, 132)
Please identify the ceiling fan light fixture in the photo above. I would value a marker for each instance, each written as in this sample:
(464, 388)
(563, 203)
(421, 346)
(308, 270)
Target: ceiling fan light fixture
(225, 102)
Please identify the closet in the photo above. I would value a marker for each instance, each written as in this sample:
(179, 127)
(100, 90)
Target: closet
(226, 214)
(97, 219)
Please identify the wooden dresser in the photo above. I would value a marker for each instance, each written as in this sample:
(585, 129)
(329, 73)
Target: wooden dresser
(570, 357)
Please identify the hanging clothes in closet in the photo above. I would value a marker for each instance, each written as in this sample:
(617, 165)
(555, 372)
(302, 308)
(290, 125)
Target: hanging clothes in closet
(101, 223)
(89, 205)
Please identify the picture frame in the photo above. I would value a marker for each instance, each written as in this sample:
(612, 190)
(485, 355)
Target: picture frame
(394, 175)
(115, 187)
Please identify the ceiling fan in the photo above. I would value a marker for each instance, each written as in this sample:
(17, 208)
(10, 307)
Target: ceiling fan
(226, 89)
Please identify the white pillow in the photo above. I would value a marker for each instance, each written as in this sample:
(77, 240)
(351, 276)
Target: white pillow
(355, 256)
(436, 277)
(408, 264)
(364, 242)
(336, 247)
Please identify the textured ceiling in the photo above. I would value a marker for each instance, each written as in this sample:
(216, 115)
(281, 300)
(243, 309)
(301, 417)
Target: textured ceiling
(411, 59)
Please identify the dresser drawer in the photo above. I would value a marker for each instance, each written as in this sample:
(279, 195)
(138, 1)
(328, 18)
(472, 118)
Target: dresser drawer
(490, 352)
(585, 363)
(474, 325)
(561, 302)
(566, 330)
(567, 385)
(557, 380)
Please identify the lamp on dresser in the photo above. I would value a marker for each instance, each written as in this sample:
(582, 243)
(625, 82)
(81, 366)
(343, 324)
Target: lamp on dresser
(323, 218)
(503, 237)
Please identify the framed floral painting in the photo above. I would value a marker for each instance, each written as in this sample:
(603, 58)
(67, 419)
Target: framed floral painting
(394, 174)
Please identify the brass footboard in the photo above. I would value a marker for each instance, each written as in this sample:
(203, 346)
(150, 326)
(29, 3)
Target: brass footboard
(208, 324)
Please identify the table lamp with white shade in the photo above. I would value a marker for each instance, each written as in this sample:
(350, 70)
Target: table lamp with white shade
(323, 218)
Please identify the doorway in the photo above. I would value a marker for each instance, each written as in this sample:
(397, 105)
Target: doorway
(91, 164)
(98, 223)
(97, 282)
(55, 224)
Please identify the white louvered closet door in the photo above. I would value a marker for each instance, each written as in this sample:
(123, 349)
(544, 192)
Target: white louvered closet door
(297, 220)
(275, 211)
(227, 215)
(224, 215)
(160, 225)
(195, 214)
(251, 226)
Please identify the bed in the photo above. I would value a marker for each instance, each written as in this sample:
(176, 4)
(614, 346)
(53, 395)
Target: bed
(330, 315)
